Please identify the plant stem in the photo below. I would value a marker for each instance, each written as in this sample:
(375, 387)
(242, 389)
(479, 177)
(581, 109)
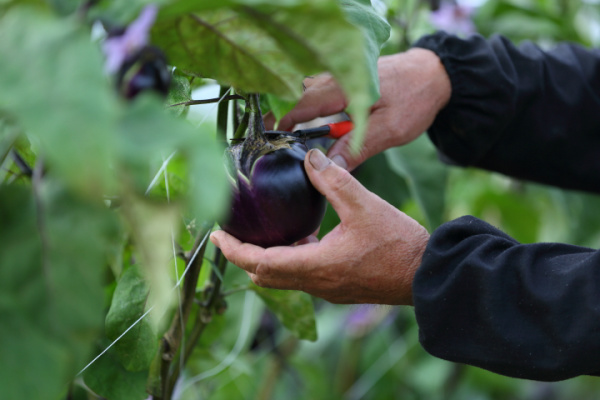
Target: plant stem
(236, 290)
(22, 164)
(255, 122)
(276, 367)
(171, 340)
(222, 116)
(203, 318)
(208, 101)
(243, 126)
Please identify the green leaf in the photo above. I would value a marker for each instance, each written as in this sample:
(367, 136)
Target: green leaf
(153, 229)
(52, 250)
(65, 7)
(181, 91)
(419, 165)
(279, 107)
(224, 45)
(137, 348)
(109, 379)
(376, 31)
(294, 309)
(148, 136)
(54, 85)
(260, 46)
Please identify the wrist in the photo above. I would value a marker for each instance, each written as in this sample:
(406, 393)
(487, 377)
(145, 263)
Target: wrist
(438, 84)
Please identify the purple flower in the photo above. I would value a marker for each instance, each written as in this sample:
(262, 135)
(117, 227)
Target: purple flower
(136, 35)
(453, 18)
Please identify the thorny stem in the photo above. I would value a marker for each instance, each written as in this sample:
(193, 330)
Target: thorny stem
(208, 101)
(238, 114)
(203, 317)
(171, 341)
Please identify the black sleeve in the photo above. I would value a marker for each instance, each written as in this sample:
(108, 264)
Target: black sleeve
(528, 311)
(521, 111)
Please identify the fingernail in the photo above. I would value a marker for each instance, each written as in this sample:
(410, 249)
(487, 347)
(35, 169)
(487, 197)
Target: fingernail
(318, 160)
(340, 161)
(214, 239)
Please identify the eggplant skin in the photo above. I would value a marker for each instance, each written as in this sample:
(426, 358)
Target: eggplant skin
(145, 70)
(278, 205)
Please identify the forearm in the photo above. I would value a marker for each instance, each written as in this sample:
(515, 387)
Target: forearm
(528, 311)
(521, 111)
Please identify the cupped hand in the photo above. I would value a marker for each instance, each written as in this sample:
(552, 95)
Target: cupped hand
(414, 88)
(370, 257)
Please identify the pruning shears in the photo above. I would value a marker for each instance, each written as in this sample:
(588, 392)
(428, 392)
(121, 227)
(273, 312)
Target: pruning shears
(334, 130)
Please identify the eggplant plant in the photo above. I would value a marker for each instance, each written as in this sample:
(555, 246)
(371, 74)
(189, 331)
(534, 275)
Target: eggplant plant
(107, 197)
(274, 203)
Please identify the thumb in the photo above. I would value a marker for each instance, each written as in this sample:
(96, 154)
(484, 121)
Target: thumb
(346, 195)
(341, 153)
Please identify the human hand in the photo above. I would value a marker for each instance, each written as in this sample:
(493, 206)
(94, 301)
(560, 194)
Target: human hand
(370, 257)
(414, 88)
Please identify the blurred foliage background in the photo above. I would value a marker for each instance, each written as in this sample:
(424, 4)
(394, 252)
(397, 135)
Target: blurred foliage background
(372, 352)
(362, 352)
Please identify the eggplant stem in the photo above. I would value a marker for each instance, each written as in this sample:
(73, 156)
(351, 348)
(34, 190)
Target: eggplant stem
(242, 127)
(222, 115)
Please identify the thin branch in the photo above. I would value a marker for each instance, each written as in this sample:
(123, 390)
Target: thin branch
(22, 164)
(236, 290)
(208, 101)
(203, 317)
(171, 340)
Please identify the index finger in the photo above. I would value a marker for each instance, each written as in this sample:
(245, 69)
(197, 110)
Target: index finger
(322, 98)
(273, 262)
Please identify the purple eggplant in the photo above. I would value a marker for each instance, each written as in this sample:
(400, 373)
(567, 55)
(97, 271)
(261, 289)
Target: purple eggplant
(137, 65)
(274, 203)
(145, 70)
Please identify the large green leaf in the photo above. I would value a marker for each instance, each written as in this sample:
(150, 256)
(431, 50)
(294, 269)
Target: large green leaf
(54, 84)
(294, 309)
(419, 165)
(138, 347)
(376, 31)
(262, 46)
(108, 378)
(153, 230)
(52, 254)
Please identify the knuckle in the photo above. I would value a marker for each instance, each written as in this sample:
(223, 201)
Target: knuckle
(341, 181)
(263, 270)
(259, 281)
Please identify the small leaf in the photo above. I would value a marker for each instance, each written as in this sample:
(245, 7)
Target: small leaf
(279, 107)
(426, 176)
(137, 348)
(294, 309)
